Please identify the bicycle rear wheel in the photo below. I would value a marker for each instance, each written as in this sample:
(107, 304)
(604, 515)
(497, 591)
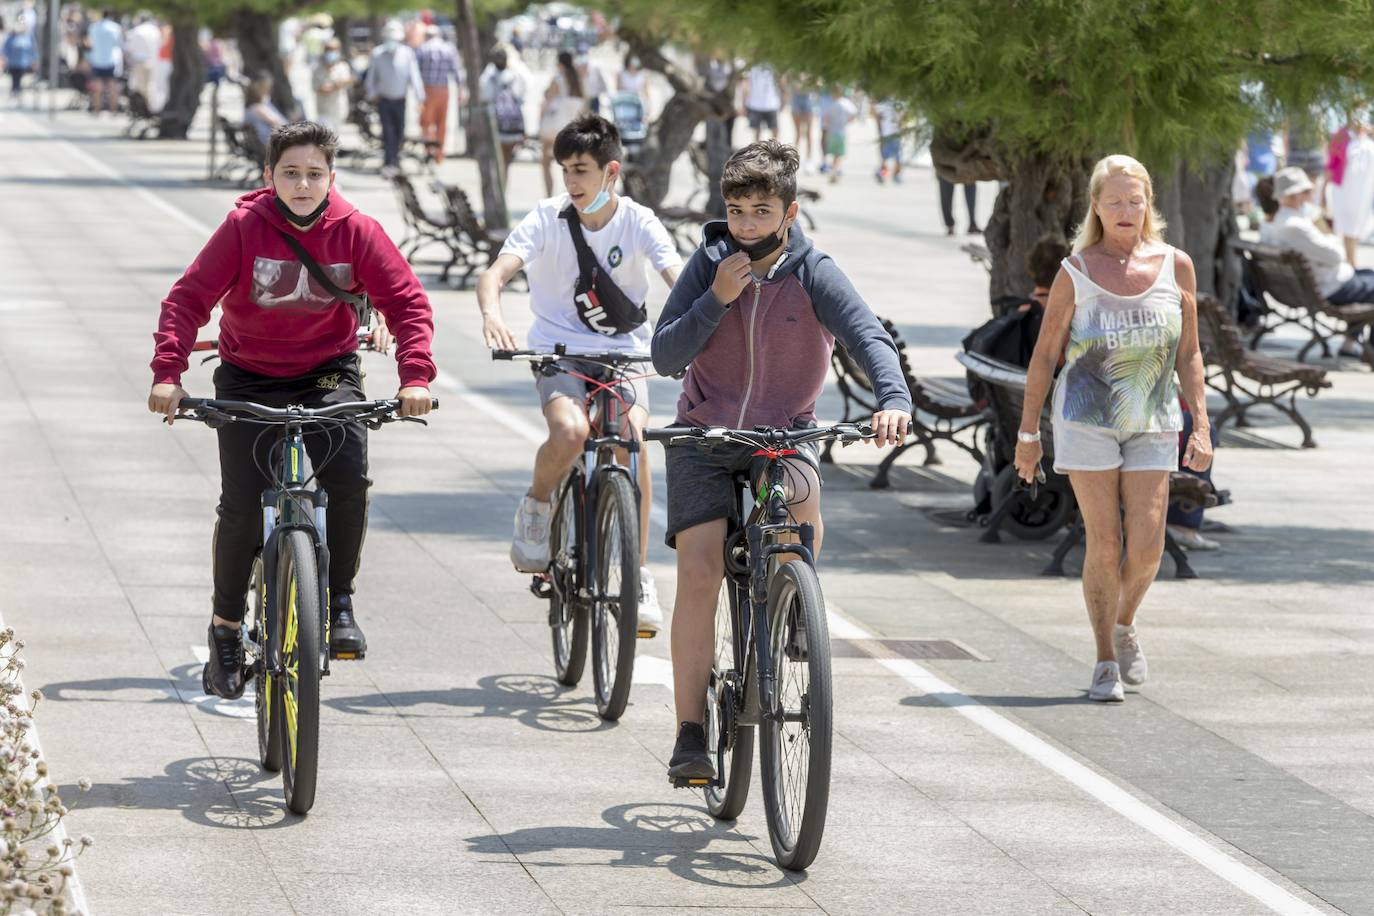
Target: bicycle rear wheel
(298, 690)
(269, 725)
(723, 696)
(615, 609)
(567, 615)
(794, 756)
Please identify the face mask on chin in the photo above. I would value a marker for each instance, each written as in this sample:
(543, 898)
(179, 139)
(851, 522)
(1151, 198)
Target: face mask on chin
(301, 221)
(602, 197)
(764, 246)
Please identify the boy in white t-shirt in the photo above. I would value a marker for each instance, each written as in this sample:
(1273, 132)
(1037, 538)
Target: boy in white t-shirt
(625, 238)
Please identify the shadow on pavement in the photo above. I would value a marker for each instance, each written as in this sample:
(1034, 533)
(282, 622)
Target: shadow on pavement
(182, 685)
(535, 700)
(649, 835)
(234, 793)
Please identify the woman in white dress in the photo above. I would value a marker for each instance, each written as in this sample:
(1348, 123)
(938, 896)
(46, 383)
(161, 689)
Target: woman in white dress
(1350, 170)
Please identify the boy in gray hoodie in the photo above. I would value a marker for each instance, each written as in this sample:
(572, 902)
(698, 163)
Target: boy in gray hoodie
(753, 320)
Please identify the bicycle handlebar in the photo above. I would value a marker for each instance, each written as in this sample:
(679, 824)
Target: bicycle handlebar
(209, 410)
(763, 437)
(611, 358)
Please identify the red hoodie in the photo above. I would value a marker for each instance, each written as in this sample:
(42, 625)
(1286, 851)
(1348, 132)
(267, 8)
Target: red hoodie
(277, 321)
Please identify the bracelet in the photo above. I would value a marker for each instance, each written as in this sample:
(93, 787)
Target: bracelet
(1023, 436)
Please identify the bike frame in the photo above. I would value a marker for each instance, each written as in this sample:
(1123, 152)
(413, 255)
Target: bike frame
(284, 509)
(755, 690)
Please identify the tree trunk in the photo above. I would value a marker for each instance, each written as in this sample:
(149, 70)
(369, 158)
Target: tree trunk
(486, 40)
(1044, 194)
(342, 27)
(257, 40)
(187, 82)
(671, 133)
(1196, 203)
(482, 142)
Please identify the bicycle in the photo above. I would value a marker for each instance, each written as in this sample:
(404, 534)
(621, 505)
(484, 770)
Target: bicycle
(285, 631)
(593, 574)
(772, 655)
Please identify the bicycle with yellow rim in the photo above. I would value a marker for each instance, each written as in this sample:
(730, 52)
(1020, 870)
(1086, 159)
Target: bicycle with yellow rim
(286, 630)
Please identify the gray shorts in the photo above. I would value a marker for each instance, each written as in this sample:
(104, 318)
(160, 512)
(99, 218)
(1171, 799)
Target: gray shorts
(701, 481)
(1083, 447)
(562, 385)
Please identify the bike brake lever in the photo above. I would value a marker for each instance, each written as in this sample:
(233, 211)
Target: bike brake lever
(420, 420)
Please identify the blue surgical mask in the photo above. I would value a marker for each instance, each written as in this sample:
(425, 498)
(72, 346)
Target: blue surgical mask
(390, 45)
(1310, 210)
(602, 198)
(331, 57)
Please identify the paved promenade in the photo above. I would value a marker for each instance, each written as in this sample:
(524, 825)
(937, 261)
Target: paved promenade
(458, 777)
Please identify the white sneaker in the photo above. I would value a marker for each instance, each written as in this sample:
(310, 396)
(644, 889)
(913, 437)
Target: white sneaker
(1106, 686)
(1134, 669)
(529, 550)
(650, 612)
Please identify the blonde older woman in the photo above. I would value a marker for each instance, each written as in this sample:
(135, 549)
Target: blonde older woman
(1123, 311)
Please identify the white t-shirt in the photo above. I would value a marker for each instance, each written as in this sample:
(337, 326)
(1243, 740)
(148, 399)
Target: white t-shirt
(633, 241)
(889, 118)
(763, 92)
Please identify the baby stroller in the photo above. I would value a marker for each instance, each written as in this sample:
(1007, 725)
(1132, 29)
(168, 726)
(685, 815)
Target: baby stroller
(627, 111)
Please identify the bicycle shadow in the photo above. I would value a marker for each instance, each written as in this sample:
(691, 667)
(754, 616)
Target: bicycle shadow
(649, 835)
(951, 700)
(182, 685)
(221, 792)
(535, 700)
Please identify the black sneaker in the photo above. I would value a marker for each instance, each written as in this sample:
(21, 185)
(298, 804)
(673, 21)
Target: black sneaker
(690, 759)
(346, 638)
(223, 674)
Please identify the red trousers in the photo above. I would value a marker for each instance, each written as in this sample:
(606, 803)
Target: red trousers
(434, 120)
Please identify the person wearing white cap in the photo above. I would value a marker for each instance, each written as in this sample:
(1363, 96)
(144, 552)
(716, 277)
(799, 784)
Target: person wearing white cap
(393, 73)
(1295, 229)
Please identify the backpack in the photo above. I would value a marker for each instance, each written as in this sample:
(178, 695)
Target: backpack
(510, 118)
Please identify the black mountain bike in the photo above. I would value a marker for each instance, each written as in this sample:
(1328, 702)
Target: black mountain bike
(286, 630)
(772, 657)
(593, 574)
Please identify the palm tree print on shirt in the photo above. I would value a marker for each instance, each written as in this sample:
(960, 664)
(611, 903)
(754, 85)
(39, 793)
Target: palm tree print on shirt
(1120, 366)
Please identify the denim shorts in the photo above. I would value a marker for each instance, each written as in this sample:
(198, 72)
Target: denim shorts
(1083, 447)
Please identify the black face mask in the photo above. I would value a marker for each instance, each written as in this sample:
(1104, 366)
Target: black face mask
(301, 221)
(764, 246)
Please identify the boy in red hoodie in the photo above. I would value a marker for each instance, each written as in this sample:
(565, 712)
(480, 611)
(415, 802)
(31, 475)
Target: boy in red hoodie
(284, 340)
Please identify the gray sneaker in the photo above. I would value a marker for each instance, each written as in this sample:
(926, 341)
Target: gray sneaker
(1106, 686)
(1134, 669)
(529, 550)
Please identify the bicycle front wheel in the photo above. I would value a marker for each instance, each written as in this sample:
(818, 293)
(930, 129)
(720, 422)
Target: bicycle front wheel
(724, 696)
(567, 615)
(615, 609)
(269, 724)
(794, 756)
(298, 689)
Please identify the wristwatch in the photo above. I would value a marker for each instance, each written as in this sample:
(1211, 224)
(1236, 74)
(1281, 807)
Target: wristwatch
(1023, 436)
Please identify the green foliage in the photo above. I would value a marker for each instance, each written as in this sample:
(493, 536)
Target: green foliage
(1161, 79)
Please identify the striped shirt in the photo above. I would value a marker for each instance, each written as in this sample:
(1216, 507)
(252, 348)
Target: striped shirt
(438, 62)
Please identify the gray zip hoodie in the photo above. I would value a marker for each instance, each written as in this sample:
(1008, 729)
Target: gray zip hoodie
(762, 359)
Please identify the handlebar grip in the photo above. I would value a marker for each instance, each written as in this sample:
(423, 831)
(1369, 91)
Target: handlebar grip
(665, 435)
(502, 354)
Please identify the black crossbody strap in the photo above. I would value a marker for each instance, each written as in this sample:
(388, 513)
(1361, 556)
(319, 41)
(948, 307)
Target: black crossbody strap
(360, 304)
(586, 261)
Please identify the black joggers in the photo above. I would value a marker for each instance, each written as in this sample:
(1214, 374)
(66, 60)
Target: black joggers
(338, 455)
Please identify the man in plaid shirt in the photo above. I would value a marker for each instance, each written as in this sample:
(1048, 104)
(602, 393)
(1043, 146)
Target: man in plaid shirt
(438, 64)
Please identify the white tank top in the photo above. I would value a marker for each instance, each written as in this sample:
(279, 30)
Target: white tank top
(1119, 365)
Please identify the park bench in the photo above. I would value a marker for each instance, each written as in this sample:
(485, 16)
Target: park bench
(943, 409)
(142, 122)
(1010, 505)
(683, 223)
(1292, 297)
(426, 228)
(483, 244)
(1247, 379)
(245, 155)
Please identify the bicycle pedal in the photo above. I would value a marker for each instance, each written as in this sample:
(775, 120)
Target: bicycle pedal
(347, 656)
(541, 586)
(646, 634)
(690, 782)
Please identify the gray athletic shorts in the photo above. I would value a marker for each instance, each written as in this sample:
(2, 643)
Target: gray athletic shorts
(701, 484)
(562, 385)
(1083, 447)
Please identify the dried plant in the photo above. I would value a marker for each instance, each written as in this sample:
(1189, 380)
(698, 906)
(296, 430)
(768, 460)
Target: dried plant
(35, 866)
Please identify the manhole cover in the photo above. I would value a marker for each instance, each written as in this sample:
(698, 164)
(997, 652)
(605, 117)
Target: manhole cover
(943, 649)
